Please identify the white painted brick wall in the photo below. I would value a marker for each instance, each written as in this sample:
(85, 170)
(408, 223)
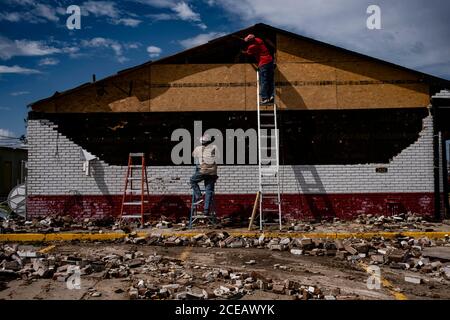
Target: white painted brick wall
(55, 168)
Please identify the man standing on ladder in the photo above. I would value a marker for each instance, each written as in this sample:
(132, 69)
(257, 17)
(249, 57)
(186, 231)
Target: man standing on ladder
(257, 48)
(206, 157)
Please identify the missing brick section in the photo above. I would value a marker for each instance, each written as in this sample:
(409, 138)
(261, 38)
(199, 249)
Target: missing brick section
(328, 137)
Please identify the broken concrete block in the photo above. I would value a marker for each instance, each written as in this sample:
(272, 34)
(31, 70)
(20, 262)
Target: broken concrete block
(133, 293)
(278, 247)
(446, 272)
(297, 252)
(361, 247)
(397, 255)
(350, 249)
(278, 288)
(306, 243)
(12, 265)
(412, 279)
(377, 258)
(237, 244)
(134, 263)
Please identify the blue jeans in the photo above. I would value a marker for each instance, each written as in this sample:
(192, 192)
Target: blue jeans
(266, 83)
(209, 181)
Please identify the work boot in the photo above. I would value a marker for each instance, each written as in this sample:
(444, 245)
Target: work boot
(272, 99)
(265, 102)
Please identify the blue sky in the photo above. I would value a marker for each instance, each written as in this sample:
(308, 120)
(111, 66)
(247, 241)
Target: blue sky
(40, 55)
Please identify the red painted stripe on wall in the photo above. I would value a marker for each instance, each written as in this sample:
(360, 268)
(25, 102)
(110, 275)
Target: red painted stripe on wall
(298, 206)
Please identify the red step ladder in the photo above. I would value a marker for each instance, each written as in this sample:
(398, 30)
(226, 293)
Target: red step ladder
(136, 193)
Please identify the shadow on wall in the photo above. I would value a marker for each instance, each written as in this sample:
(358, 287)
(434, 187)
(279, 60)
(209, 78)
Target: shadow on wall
(170, 206)
(98, 173)
(73, 203)
(287, 93)
(313, 190)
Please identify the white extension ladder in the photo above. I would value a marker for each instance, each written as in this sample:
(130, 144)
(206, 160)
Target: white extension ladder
(268, 162)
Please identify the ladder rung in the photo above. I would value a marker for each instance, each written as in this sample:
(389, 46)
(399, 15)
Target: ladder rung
(270, 197)
(134, 203)
(269, 174)
(267, 136)
(132, 178)
(267, 114)
(269, 125)
(269, 184)
(131, 216)
(136, 154)
(134, 166)
(268, 148)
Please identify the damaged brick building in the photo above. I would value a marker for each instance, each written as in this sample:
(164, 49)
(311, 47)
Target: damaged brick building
(356, 133)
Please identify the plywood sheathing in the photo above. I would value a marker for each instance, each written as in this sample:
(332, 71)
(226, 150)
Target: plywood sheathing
(198, 87)
(311, 76)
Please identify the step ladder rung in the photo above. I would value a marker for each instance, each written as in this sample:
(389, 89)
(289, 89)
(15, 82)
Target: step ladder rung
(133, 189)
(134, 216)
(269, 184)
(267, 125)
(134, 203)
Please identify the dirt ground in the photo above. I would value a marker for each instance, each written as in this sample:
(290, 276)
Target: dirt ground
(334, 277)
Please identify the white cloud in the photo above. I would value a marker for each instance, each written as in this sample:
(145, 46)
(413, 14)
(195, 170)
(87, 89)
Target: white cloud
(11, 48)
(114, 45)
(179, 10)
(158, 3)
(33, 13)
(100, 8)
(154, 51)
(17, 69)
(48, 62)
(10, 16)
(200, 39)
(46, 12)
(129, 22)
(184, 12)
(19, 93)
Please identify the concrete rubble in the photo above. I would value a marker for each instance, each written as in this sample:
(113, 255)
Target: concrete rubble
(363, 223)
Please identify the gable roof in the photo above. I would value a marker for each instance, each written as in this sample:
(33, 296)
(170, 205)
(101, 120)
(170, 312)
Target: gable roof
(213, 52)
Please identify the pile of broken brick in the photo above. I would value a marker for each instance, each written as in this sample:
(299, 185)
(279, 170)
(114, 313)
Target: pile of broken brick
(54, 223)
(62, 223)
(170, 278)
(402, 252)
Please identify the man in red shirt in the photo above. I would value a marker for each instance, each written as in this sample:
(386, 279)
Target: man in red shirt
(258, 49)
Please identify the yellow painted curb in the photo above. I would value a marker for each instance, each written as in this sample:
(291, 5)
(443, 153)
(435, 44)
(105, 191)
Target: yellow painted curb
(50, 237)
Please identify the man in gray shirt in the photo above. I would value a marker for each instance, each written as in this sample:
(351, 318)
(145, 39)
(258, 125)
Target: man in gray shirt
(206, 157)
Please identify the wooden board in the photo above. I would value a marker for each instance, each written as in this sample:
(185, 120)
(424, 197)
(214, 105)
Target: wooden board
(290, 49)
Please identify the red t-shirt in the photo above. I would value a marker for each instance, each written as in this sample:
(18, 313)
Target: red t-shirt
(259, 50)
